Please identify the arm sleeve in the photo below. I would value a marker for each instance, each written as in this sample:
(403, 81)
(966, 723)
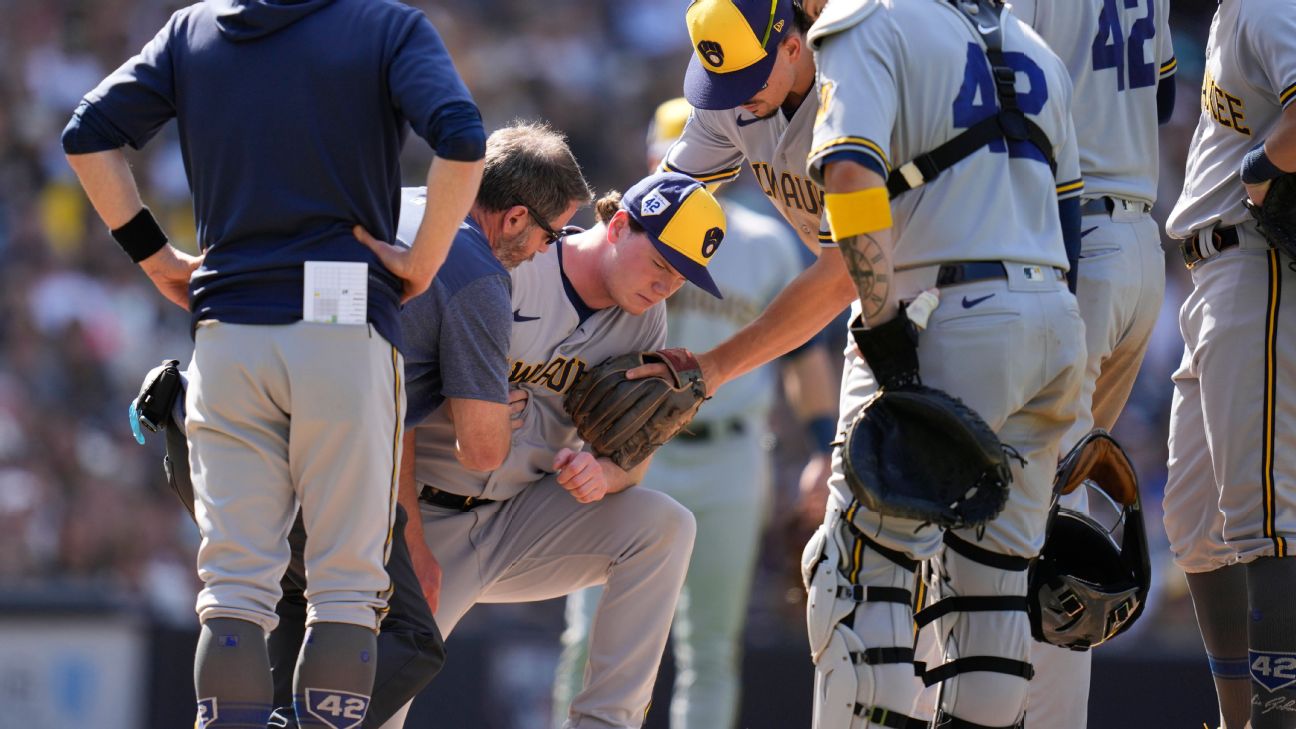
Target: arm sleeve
(474, 341)
(428, 91)
(131, 104)
(703, 153)
(1069, 217)
(1269, 32)
(857, 96)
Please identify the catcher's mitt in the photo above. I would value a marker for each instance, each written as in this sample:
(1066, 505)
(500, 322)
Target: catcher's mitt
(917, 452)
(1276, 218)
(626, 420)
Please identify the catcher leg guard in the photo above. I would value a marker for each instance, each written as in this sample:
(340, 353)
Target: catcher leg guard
(981, 624)
(860, 594)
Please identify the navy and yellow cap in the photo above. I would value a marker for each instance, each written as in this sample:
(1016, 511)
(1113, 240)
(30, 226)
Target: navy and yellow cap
(735, 43)
(683, 220)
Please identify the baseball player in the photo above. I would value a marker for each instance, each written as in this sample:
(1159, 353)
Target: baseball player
(1121, 277)
(717, 468)
(752, 84)
(909, 99)
(1230, 511)
(523, 161)
(554, 518)
(295, 394)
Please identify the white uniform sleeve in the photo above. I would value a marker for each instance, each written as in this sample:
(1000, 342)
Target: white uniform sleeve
(1271, 37)
(703, 154)
(1067, 154)
(857, 95)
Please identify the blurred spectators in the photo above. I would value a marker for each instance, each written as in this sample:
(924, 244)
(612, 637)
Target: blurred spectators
(80, 501)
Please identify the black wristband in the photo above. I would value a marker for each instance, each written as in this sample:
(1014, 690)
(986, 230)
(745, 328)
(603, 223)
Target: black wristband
(890, 350)
(141, 237)
(1257, 167)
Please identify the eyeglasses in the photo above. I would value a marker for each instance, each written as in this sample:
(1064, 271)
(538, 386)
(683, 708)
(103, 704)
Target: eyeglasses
(553, 235)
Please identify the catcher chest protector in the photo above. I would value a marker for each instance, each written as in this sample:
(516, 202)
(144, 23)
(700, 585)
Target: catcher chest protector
(1084, 588)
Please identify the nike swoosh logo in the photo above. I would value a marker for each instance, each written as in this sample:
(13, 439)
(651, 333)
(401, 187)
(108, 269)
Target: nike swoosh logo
(518, 316)
(969, 303)
(744, 122)
(984, 29)
(1083, 233)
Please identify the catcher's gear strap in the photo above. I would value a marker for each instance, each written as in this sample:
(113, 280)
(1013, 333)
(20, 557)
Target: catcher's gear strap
(967, 604)
(888, 718)
(984, 556)
(1009, 124)
(876, 656)
(994, 664)
(1100, 459)
(860, 593)
(895, 556)
(946, 721)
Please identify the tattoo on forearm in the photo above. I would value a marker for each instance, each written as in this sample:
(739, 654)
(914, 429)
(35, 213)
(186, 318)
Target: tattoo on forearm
(865, 260)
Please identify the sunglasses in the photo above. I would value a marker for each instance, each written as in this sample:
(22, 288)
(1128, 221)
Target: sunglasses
(552, 235)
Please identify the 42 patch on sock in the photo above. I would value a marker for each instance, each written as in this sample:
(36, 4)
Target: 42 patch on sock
(336, 709)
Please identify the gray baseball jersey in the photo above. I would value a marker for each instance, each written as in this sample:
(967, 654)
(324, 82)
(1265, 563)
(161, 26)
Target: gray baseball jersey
(899, 78)
(899, 82)
(1117, 53)
(724, 479)
(1250, 79)
(1230, 411)
(555, 338)
(715, 143)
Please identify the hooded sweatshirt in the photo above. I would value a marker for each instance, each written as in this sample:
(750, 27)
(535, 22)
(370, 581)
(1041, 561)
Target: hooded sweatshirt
(291, 117)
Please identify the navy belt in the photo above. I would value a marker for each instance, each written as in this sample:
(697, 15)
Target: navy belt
(967, 272)
(1221, 239)
(701, 432)
(1106, 205)
(437, 497)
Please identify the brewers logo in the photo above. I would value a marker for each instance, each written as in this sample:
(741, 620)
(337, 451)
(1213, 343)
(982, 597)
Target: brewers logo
(711, 52)
(711, 241)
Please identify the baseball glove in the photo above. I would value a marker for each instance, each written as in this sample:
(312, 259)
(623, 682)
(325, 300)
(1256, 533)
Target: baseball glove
(1276, 218)
(918, 453)
(626, 420)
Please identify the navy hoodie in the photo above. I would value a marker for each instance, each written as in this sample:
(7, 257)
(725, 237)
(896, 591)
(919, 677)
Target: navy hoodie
(291, 117)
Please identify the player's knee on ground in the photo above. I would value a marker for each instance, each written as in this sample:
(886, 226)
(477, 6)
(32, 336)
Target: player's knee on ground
(335, 675)
(982, 627)
(859, 618)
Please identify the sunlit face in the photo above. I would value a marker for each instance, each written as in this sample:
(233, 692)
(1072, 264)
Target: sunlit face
(638, 277)
(779, 84)
(522, 237)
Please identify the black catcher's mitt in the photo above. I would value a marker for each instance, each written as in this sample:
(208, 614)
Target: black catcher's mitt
(626, 420)
(919, 453)
(1276, 218)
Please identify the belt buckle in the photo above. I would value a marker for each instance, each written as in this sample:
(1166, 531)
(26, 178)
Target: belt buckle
(468, 502)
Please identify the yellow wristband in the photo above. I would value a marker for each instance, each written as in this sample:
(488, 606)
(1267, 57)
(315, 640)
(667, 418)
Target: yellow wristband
(855, 213)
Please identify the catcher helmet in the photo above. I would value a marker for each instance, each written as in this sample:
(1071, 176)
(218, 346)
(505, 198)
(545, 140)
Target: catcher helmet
(1085, 588)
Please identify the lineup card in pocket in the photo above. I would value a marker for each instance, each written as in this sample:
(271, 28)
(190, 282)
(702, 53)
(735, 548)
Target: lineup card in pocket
(336, 292)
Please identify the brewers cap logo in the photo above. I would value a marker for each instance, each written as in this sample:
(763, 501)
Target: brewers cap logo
(711, 52)
(711, 241)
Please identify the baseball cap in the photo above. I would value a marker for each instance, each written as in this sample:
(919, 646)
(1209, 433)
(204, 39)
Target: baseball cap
(683, 220)
(667, 125)
(735, 43)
